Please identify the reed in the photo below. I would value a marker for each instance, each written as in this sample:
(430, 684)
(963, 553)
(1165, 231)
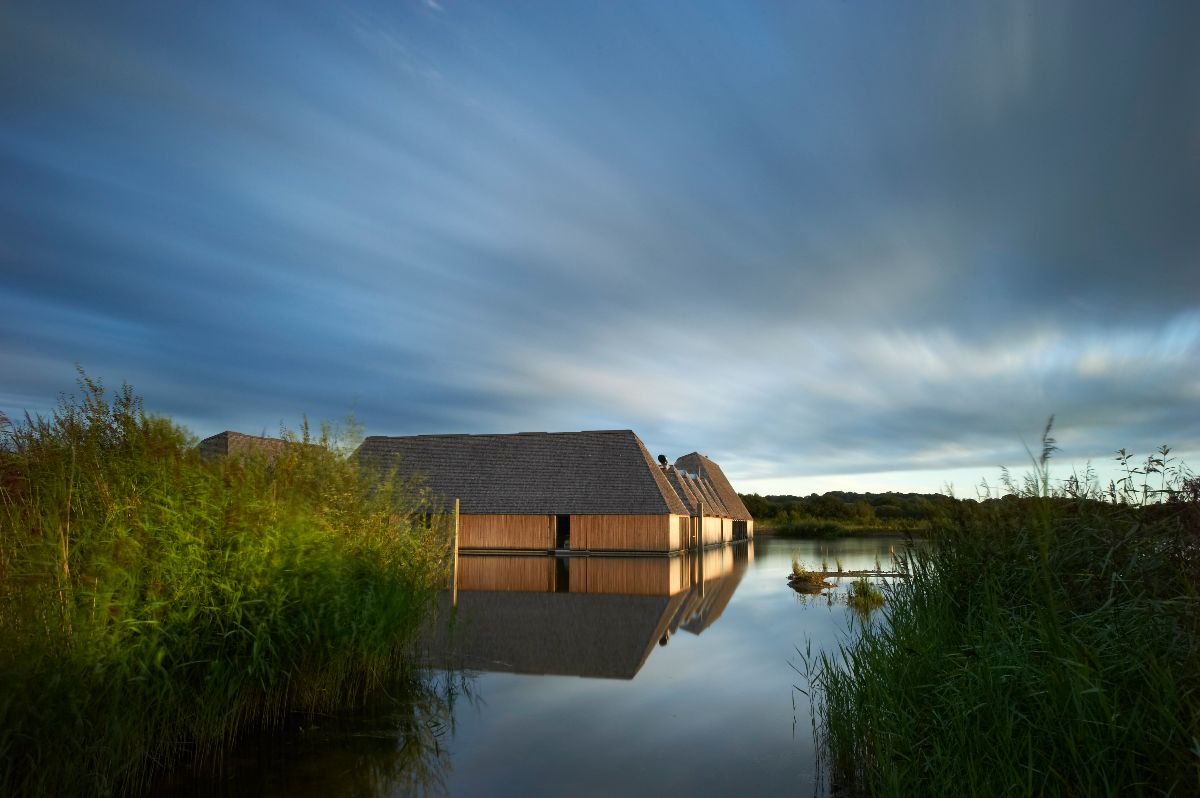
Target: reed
(154, 606)
(1047, 643)
(863, 596)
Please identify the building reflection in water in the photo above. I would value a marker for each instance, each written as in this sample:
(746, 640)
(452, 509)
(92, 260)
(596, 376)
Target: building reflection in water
(594, 616)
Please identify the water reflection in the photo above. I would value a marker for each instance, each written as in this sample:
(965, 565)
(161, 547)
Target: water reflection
(598, 617)
(711, 712)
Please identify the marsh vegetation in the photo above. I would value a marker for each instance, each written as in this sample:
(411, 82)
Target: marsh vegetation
(1047, 642)
(155, 606)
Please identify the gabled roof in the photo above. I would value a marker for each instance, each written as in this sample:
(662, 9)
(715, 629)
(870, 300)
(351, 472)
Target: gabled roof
(692, 490)
(714, 476)
(683, 487)
(712, 501)
(605, 472)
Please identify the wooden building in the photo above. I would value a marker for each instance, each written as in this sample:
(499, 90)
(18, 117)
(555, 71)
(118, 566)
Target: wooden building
(741, 522)
(597, 491)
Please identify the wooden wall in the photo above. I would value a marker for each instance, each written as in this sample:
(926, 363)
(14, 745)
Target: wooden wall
(712, 530)
(662, 533)
(624, 532)
(506, 531)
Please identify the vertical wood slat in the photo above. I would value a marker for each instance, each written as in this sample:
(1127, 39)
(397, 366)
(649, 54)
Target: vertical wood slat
(454, 564)
(592, 532)
(506, 531)
(622, 532)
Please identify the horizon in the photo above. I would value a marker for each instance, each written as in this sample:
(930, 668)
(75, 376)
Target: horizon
(831, 245)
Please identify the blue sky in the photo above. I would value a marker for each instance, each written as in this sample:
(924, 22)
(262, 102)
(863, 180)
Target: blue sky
(843, 244)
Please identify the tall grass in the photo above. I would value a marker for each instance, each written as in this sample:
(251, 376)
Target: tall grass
(154, 605)
(1048, 643)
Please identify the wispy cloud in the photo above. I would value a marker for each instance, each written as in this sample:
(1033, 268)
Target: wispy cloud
(817, 239)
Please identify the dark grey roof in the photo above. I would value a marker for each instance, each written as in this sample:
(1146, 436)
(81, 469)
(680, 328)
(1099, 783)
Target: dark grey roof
(712, 473)
(230, 442)
(692, 490)
(712, 501)
(607, 472)
(683, 487)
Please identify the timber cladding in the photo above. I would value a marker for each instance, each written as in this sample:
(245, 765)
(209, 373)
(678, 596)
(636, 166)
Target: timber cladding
(506, 531)
(625, 532)
(588, 532)
(712, 530)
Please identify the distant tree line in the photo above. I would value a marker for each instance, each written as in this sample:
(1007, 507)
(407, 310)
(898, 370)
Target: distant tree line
(841, 512)
(844, 512)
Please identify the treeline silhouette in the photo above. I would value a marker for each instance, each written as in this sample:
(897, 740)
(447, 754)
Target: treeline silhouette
(844, 512)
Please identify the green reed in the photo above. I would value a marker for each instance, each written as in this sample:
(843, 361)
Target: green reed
(864, 596)
(1047, 643)
(154, 605)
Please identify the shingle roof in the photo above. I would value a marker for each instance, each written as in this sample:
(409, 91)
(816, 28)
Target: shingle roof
(693, 490)
(683, 487)
(606, 472)
(712, 500)
(712, 473)
(230, 442)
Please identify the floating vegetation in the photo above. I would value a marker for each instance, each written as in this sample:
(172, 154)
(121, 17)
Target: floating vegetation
(863, 595)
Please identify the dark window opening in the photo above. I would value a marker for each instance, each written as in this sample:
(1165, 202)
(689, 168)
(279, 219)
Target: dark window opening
(739, 530)
(562, 531)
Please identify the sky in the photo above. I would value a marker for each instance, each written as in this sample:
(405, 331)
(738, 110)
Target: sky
(833, 244)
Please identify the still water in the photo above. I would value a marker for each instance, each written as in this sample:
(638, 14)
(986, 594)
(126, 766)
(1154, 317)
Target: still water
(590, 676)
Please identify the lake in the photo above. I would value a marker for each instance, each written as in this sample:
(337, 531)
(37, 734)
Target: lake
(591, 676)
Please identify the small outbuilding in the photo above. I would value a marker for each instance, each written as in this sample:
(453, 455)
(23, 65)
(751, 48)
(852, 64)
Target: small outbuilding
(229, 442)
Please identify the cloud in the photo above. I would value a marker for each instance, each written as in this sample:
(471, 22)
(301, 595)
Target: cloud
(812, 239)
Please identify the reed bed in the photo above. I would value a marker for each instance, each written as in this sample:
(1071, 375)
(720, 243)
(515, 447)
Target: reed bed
(1047, 643)
(154, 605)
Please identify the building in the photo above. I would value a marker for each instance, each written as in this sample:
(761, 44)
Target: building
(710, 474)
(229, 442)
(597, 491)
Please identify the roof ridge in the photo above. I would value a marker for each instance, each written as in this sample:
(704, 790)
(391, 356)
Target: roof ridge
(503, 434)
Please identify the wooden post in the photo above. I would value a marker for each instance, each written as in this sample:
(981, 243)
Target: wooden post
(454, 562)
(700, 546)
